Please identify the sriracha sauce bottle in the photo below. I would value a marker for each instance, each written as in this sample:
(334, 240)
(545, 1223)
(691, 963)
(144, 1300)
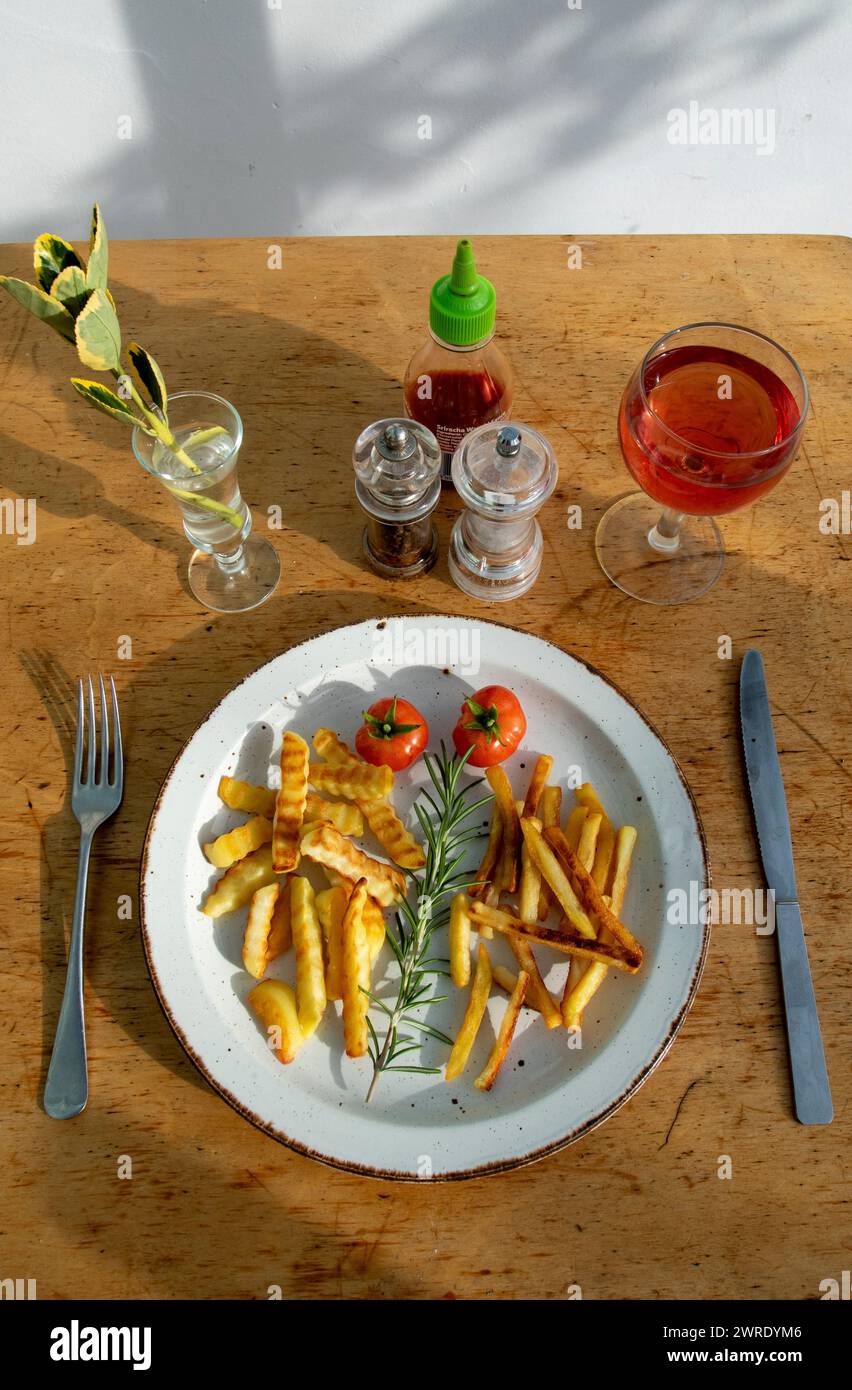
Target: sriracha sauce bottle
(459, 378)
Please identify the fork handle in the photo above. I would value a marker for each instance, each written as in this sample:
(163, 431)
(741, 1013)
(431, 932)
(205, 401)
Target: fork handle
(67, 1088)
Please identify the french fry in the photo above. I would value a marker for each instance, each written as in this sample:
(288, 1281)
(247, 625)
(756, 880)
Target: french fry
(587, 796)
(331, 909)
(275, 1005)
(245, 796)
(333, 749)
(506, 1032)
(256, 935)
(530, 884)
(574, 826)
(353, 781)
(235, 844)
(374, 918)
(487, 869)
(290, 802)
(588, 839)
(307, 943)
(582, 991)
(537, 996)
(341, 814)
(392, 835)
(374, 921)
(327, 745)
(511, 842)
(237, 884)
(355, 973)
(507, 981)
(326, 846)
(589, 832)
(551, 869)
(460, 941)
(550, 814)
(564, 938)
(590, 896)
(540, 773)
(280, 932)
(480, 990)
(625, 844)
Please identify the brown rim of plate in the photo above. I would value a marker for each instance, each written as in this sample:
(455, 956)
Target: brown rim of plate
(498, 1165)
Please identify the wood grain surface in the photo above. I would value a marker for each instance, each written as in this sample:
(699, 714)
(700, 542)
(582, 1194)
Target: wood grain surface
(310, 353)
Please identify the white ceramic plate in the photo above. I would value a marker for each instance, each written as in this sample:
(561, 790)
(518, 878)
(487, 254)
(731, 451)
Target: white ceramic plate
(417, 1126)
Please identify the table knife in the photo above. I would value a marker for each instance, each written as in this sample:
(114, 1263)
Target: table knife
(811, 1091)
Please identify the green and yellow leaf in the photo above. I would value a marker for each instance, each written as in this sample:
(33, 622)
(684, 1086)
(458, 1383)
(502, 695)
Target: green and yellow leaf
(148, 376)
(70, 289)
(98, 270)
(41, 304)
(98, 334)
(103, 399)
(50, 257)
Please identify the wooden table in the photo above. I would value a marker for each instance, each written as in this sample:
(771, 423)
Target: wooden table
(310, 353)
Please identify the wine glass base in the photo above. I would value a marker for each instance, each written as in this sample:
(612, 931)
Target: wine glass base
(657, 576)
(236, 591)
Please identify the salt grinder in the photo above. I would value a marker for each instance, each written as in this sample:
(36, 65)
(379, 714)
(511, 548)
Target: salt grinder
(398, 483)
(503, 473)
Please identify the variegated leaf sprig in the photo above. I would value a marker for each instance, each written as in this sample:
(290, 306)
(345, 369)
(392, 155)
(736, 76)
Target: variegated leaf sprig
(73, 298)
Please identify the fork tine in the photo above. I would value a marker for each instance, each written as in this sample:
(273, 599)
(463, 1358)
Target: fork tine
(93, 735)
(78, 742)
(118, 765)
(104, 768)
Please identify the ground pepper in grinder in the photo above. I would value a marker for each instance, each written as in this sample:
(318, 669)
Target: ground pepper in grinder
(459, 379)
(398, 482)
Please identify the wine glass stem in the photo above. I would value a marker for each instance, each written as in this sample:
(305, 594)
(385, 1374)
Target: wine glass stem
(665, 536)
(232, 563)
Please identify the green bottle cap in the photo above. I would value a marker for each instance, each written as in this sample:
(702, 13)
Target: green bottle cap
(462, 305)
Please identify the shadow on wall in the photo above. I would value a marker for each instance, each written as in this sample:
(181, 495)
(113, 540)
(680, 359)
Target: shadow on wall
(248, 126)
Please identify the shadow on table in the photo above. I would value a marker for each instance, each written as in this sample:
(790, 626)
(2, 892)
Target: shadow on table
(118, 978)
(189, 1223)
(299, 428)
(115, 963)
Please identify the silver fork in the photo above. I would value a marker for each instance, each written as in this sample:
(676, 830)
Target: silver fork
(93, 801)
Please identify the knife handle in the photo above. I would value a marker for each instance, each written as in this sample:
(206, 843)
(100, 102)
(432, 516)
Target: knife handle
(811, 1091)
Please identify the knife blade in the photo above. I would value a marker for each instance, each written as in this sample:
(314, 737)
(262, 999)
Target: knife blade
(811, 1090)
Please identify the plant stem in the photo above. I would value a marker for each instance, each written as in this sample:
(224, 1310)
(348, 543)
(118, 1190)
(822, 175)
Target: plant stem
(444, 840)
(160, 427)
(405, 975)
(164, 434)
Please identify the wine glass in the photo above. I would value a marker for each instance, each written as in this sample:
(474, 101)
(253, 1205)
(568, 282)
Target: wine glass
(230, 570)
(710, 420)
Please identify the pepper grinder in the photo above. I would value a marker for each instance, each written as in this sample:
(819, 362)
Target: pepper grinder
(503, 474)
(398, 483)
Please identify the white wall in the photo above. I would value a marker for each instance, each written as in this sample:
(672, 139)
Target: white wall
(250, 118)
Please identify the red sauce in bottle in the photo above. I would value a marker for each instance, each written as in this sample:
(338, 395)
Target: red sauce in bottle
(459, 378)
(459, 402)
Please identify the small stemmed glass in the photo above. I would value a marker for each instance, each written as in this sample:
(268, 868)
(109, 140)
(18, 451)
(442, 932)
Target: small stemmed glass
(231, 570)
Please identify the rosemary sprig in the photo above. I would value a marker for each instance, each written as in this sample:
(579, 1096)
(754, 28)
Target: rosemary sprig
(442, 820)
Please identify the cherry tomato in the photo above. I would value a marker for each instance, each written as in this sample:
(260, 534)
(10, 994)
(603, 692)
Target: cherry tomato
(492, 723)
(393, 734)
